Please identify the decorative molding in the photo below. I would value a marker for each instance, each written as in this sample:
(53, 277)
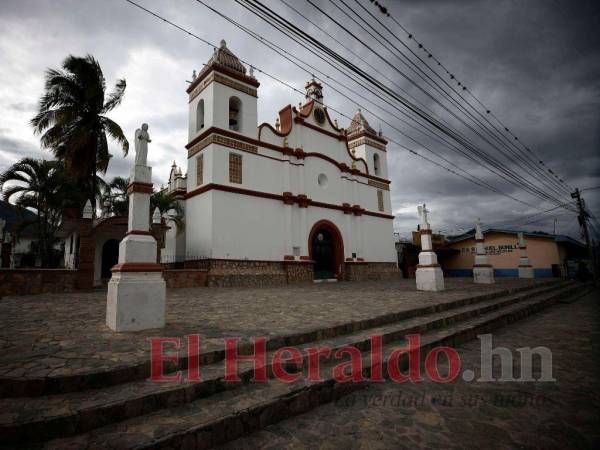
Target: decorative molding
(284, 150)
(301, 199)
(224, 141)
(367, 141)
(367, 135)
(379, 185)
(225, 71)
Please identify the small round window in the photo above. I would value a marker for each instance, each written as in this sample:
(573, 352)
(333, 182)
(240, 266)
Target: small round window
(322, 180)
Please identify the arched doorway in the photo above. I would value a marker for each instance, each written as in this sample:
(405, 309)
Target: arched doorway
(110, 257)
(326, 249)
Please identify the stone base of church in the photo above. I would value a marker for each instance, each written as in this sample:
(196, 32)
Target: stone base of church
(365, 271)
(229, 273)
(251, 273)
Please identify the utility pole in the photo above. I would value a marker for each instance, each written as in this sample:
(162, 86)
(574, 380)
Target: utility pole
(583, 218)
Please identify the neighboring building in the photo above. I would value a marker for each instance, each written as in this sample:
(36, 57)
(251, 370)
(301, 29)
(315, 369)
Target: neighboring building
(550, 255)
(302, 199)
(15, 239)
(105, 235)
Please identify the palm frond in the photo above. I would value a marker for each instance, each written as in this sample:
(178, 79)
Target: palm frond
(116, 96)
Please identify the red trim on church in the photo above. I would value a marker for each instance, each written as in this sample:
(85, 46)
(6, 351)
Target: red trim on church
(288, 198)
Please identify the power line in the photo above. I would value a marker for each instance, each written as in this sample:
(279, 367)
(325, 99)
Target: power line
(494, 133)
(385, 11)
(268, 16)
(421, 74)
(590, 189)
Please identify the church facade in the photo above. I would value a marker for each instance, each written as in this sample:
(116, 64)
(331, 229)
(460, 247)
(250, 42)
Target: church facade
(299, 200)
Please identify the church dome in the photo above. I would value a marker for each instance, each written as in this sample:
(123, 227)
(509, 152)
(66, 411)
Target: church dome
(359, 125)
(225, 58)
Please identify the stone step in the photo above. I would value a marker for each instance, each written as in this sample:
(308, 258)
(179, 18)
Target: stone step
(30, 387)
(228, 415)
(77, 412)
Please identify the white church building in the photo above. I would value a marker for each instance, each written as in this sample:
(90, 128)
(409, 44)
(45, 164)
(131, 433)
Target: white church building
(301, 200)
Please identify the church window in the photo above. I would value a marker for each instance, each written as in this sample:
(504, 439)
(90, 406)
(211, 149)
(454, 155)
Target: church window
(200, 115)
(235, 114)
(199, 170)
(235, 168)
(376, 163)
(380, 200)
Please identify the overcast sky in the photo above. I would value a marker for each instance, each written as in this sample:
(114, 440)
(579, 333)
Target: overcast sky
(535, 64)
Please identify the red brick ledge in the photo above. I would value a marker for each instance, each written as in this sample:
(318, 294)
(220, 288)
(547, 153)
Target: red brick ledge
(140, 232)
(482, 265)
(137, 267)
(425, 266)
(136, 186)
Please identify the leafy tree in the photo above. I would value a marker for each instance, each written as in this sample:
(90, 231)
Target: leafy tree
(72, 118)
(37, 184)
(168, 206)
(114, 197)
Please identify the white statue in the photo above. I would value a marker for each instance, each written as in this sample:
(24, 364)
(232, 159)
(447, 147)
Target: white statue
(141, 145)
(423, 214)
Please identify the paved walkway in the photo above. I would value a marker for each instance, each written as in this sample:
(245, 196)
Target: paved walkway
(545, 415)
(65, 334)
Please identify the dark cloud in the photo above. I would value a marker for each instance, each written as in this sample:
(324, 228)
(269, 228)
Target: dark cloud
(535, 64)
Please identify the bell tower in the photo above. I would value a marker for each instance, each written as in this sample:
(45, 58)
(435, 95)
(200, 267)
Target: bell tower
(368, 144)
(223, 95)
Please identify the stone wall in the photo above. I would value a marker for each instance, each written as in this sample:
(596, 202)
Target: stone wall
(37, 281)
(185, 278)
(363, 271)
(227, 272)
(299, 271)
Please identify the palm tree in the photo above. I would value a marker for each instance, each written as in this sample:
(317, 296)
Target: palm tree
(115, 197)
(168, 206)
(73, 122)
(37, 184)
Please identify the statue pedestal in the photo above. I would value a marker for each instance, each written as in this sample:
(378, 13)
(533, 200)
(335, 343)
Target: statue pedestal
(136, 301)
(483, 271)
(525, 269)
(136, 295)
(483, 274)
(429, 273)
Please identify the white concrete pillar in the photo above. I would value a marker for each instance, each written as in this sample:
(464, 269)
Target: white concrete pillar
(525, 267)
(483, 271)
(429, 273)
